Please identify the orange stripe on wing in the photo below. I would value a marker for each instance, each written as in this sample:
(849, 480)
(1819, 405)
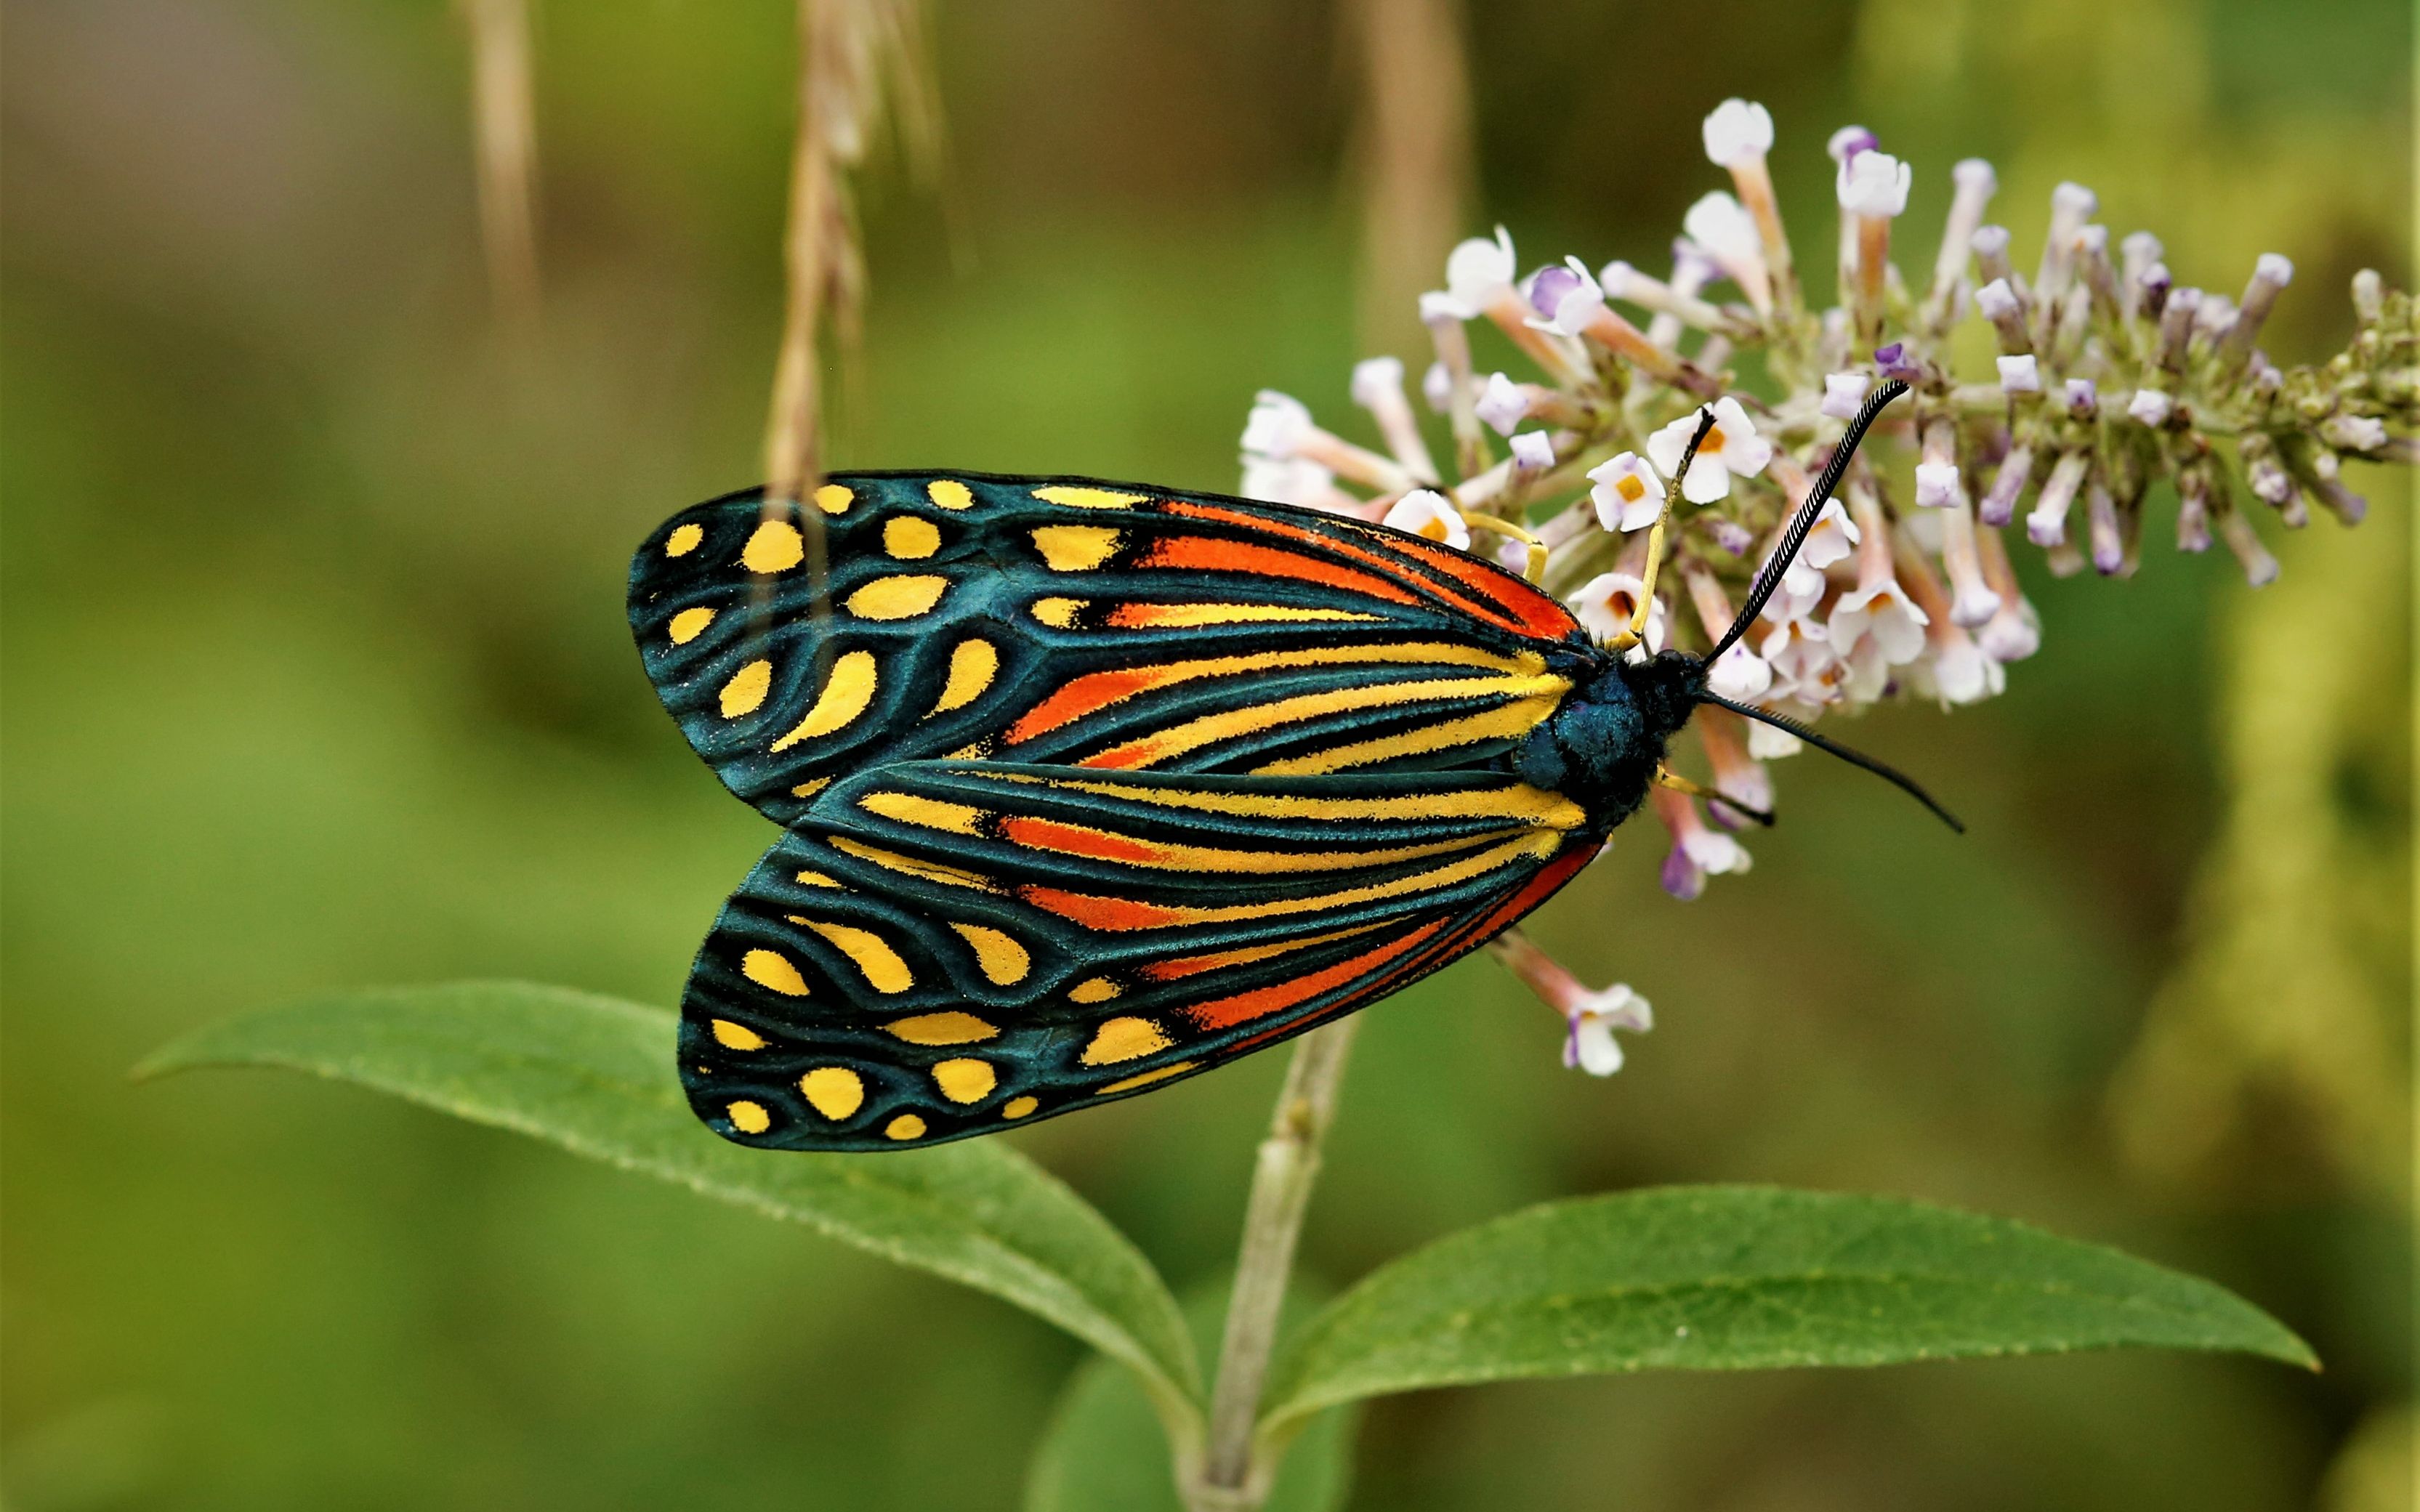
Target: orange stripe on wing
(1242, 1007)
(1208, 554)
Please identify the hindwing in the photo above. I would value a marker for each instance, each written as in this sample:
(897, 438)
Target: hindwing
(938, 949)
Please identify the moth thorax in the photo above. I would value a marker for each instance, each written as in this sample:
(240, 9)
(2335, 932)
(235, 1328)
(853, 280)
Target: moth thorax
(1601, 747)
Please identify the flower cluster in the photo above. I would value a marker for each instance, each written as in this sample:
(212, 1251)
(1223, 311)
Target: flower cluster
(2109, 377)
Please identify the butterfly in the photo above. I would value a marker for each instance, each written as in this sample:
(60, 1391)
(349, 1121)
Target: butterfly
(1088, 787)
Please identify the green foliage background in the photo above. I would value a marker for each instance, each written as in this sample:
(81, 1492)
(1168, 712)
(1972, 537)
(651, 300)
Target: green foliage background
(316, 675)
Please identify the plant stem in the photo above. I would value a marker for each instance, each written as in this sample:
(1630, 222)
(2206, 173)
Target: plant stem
(1283, 1178)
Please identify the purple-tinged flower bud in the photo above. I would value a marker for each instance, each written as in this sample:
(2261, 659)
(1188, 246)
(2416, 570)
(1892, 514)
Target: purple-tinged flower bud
(1436, 386)
(2271, 483)
(1894, 361)
(1682, 877)
(2000, 306)
(2108, 540)
(2353, 433)
(1848, 142)
(2193, 510)
(1844, 393)
(2082, 398)
(2266, 379)
(2047, 525)
(1533, 450)
(2177, 327)
(1936, 485)
(1999, 505)
(2020, 374)
(2151, 293)
(1503, 404)
(1548, 286)
(2150, 407)
(2259, 568)
(1730, 535)
(1991, 245)
(2140, 248)
(2070, 206)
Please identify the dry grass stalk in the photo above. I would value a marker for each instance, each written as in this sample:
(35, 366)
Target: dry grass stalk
(504, 127)
(1415, 157)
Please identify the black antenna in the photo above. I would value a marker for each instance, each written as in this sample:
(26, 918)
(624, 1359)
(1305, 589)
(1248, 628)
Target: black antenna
(1889, 773)
(1770, 579)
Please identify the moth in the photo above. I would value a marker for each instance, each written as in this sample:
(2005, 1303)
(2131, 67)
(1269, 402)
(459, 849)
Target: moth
(1088, 787)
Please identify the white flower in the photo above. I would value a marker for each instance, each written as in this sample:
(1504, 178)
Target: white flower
(1997, 300)
(2020, 374)
(1799, 649)
(1436, 386)
(1437, 307)
(1740, 675)
(2150, 406)
(2014, 634)
(1884, 613)
(1738, 131)
(1606, 602)
(2353, 433)
(1627, 493)
(1377, 381)
(1715, 853)
(1960, 673)
(1567, 299)
(1719, 224)
(1830, 539)
(1533, 450)
(1731, 447)
(1277, 423)
(1874, 184)
(1844, 393)
(1286, 481)
(1591, 1045)
(1766, 744)
(1848, 142)
(1424, 512)
(1502, 402)
(1936, 485)
(1479, 273)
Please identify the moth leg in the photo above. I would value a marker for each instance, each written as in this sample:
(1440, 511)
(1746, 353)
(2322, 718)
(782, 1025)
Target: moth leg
(1536, 570)
(1666, 777)
(1637, 630)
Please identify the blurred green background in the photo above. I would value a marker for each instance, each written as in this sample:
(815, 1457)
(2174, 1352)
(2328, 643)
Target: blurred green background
(316, 676)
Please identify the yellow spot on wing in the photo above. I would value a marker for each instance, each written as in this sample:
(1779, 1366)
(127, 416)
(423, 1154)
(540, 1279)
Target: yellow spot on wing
(949, 493)
(844, 698)
(749, 1118)
(1076, 548)
(1059, 613)
(832, 498)
(736, 1036)
(816, 879)
(910, 536)
(912, 866)
(973, 666)
(906, 1126)
(940, 1028)
(1145, 1079)
(775, 547)
(965, 1080)
(746, 689)
(896, 598)
(1088, 497)
(809, 789)
(769, 968)
(688, 625)
(684, 539)
(1094, 989)
(835, 1091)
(930, 813)
(1018, 1107)
(1002, 960)
(1124, 1039)
(882, 966)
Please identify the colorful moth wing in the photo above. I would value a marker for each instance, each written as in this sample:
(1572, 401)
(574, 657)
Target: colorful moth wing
(938, 950)
(1071, 622)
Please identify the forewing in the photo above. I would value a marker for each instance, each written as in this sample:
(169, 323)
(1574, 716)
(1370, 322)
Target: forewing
(914, 616)
(937, 949)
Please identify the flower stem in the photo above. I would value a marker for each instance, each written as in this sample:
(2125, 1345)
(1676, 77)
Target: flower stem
(1283, 1178)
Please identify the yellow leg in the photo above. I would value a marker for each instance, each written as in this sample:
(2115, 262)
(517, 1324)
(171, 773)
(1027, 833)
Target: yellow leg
(1536, 571)
(1666, 777)
(1637, 630)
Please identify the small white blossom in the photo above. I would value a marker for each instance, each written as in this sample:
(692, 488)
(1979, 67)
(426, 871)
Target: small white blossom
(1590, 1045)
(1936, 485)
(1533, 450)
(1831, 538)
(1567, 299)
(1738, 131)
(1287, 481)
(1627, 493)
(1718, 223)
(1424, 512)
(1844, 393)
(2150, 406)
(1874, 184)
(1884, 614)
(1502, 403)
(1997, 300)
(1604, 606)
(1731, 447)
(1436, 386)
(1479, 273)
(1740, 675)
(2020, 374)
(1377, 381)
(1276, 425)
(2353, 433)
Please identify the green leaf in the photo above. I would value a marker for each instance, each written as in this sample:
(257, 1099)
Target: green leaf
(595, 1075)
(1104, 1452)
(1742, 1278)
